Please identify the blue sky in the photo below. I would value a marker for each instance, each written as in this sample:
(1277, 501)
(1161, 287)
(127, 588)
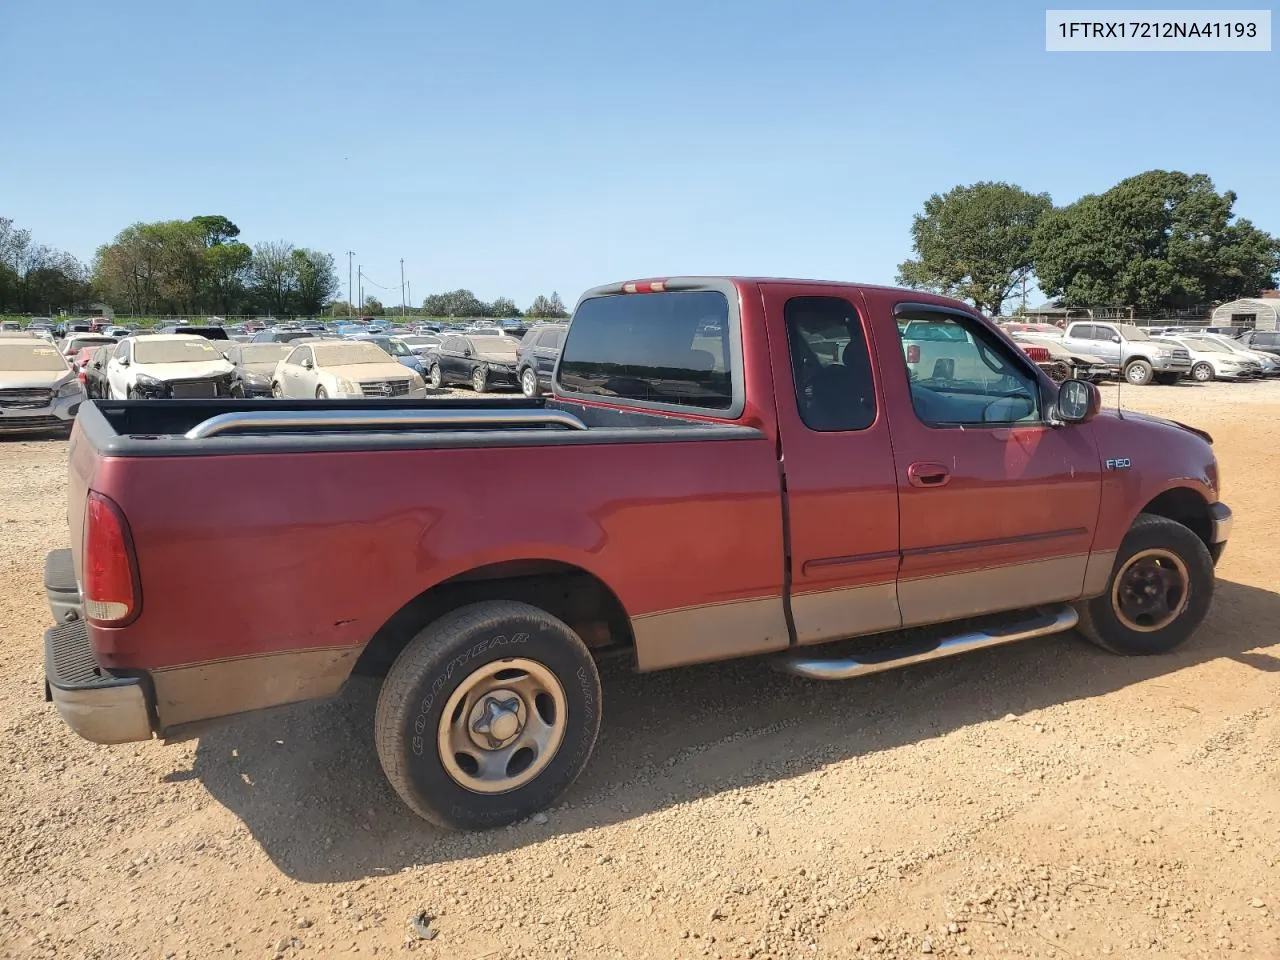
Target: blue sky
(515, 148)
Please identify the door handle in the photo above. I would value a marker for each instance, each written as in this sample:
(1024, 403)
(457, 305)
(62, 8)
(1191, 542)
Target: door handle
(928, 475)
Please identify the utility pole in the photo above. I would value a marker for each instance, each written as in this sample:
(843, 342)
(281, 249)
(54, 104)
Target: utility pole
(402, 303)
(409, 284)
(1024, 294)
(350, 254)
(360, 282)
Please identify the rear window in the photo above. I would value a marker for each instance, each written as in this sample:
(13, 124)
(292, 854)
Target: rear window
(666, 348)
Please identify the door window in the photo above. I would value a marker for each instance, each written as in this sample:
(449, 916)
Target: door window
(295, 358)
(830, 364)
(962, 374)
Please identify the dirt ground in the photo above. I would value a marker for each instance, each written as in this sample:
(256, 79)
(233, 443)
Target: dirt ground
(1041, 800)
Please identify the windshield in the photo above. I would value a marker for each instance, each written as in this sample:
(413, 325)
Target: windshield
(30, 357)
(421, 340)
(342, 354)
(1205, 346)
(184, 350)
(264, 352)
(1131, 332)
(484, 332)
(397, 348)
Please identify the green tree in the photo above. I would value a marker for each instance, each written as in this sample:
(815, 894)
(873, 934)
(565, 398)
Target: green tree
(273, 276)
(504, 307)
(455, 303)
(316, 280)
(974, 243)
(226, 271)
(1161, 239)
(372, 307)
(547, 307)
(216, 229)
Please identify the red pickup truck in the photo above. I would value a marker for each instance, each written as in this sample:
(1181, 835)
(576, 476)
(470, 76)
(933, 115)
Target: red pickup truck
(725, 467)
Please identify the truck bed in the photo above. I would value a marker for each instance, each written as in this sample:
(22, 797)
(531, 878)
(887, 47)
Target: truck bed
(168, 428)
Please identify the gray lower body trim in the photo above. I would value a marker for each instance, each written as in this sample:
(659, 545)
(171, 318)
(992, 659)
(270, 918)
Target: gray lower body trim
(972, 593)
(717, 631)
(845, 612)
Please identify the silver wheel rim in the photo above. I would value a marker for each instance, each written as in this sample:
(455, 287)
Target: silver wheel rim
(502, 726)
(1151, 590)
(1136, 374)
(276, 391)
(477, 378)
(435, 376)
(529, 382)
(1202, 373)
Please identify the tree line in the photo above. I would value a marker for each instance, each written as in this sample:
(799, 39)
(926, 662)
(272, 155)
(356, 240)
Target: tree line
(35, 277)
(1161, 240)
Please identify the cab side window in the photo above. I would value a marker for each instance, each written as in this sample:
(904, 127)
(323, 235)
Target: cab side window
(830, 364)
(962, 374)
(295, 358)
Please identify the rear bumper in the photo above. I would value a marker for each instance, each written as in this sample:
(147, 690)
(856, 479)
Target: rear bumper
(96, 704)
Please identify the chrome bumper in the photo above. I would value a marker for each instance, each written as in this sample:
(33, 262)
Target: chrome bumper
(1220, 517)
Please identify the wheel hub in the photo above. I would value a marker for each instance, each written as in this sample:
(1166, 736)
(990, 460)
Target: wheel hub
(1151, 591)
(497, 720)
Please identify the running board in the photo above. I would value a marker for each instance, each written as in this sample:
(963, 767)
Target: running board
(1041, 623)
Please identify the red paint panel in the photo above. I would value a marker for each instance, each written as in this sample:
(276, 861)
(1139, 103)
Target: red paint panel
(242, 555)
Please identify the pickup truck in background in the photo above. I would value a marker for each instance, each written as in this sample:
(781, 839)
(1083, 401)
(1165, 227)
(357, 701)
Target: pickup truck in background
(725, 467)
(1142, 358)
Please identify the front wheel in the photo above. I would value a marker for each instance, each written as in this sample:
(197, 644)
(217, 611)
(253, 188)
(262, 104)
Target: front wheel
(322, 393)
(237, 392)
(276, 392)
(479, 379)
(529, 383)
(1202, 373)
(1139, 373)
(488, 715)
(435, 377)
(1158, 593)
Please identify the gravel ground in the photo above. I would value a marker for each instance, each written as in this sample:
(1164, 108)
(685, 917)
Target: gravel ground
(1042, 800)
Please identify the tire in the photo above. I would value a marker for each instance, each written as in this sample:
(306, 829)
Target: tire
(444, 666)
(1202, 372)
(322, 393)
(237, 392)
(480, 380)
(1102, 619)
(276, 392)
(1058, 371)
(435, 377)
(128, 393)
(1138, 372)
(529, 385)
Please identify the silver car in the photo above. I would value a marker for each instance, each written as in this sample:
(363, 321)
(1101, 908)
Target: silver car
(39, 391)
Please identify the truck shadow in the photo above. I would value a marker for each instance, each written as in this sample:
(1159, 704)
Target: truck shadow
(308, 786)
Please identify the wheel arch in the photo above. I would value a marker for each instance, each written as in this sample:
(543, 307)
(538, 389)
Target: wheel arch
(565, 590)
(1184, 505)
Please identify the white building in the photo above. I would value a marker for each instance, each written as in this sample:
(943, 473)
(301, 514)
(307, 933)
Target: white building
(1261, 313)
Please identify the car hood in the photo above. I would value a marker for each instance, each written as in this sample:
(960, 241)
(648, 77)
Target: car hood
(391, 370)
(260, 369)
(1176, 427)
(184, 371)
(34, 379)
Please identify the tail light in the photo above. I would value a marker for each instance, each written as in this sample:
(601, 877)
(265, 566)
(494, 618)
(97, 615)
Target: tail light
(82, 376)
(913, 353)
(1037, 354)
(110, 571)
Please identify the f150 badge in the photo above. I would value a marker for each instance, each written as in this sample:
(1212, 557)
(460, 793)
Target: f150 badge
(1124, 464)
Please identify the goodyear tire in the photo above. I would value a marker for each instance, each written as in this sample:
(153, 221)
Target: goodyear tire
(488, 715)
(1158, 593)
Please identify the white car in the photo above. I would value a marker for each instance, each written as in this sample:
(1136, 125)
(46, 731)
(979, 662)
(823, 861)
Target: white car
(344, 368)
(1270, 364)
(168, 366)
(38, 389)
(1213, 361)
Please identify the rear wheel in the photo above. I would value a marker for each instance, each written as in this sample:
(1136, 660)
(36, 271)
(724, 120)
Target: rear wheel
(529, 385)
(237, 391)
(1139, 373)
(322, 393)
(277, 392)
(1202, 373)
(1158, 593)
(479, 379)
(488, 715)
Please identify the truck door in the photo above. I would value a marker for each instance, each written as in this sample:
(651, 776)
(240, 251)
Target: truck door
(838, 465)
(998, 508)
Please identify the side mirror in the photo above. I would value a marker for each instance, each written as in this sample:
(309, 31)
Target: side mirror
(1078, 401)
(1115, 338)
(124, 361)
(308, 364)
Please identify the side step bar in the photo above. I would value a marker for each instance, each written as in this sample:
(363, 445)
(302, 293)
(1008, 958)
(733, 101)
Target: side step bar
(1041, 624)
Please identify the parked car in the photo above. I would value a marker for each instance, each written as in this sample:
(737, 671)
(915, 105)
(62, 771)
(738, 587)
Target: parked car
(39, 391)
(483, 361)
(656, 516)
(328, 369)
(1063, 364)
(1212, 361)
(1141, 358)
(276, 335)
(1013, 327)
(254, 366)
(398, 350)
(1270, 363)
(76, 342)
(116, 331)
(1262, 341)
(424, 345)
(11, 326)
(93, 373)
(208, 332)
(536, 356)
(513, 328)
(1233, 332)
(167, 366)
